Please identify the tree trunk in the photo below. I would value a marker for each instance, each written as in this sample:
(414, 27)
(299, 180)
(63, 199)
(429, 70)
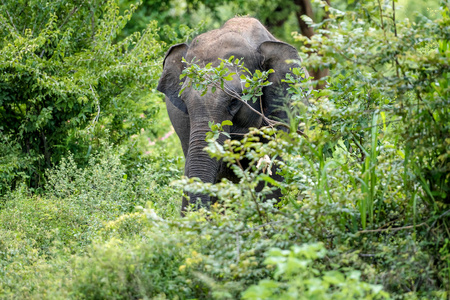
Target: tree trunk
(305, 8)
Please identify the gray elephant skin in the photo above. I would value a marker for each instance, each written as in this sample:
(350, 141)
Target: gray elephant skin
(190, 112)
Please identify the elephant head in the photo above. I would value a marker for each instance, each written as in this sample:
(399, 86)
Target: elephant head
(190, 112)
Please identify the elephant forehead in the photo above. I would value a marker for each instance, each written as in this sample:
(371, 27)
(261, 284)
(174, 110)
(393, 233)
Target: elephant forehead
(218, 44)
(191, 95)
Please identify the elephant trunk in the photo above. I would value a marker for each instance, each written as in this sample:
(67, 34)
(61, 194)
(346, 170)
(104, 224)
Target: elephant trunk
(199, 164)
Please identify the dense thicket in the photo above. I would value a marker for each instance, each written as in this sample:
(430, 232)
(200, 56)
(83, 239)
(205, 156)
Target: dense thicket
(66, 81)
(365, 212)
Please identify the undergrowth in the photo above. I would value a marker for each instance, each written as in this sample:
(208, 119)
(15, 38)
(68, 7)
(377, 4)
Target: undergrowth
(365, 212)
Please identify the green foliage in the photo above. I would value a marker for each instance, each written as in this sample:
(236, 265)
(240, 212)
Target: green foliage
(212, 78)
(298, 278)
(361, 171)
(217, 129)
(416, 9)
(65, 82)
(132, 269)
(365, 212)
(203, 78)
(13, 162)
(177, 26)
(383, 68)
(79, 206)
(254, 85)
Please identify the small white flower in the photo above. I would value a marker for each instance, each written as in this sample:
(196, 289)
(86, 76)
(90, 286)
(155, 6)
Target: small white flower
(266, 161)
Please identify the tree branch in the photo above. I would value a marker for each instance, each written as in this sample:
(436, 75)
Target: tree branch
(10, 19)
(392, 229)
(270, 122)
(74, 10)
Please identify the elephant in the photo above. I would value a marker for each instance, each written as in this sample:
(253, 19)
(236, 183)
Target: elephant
(190, 112)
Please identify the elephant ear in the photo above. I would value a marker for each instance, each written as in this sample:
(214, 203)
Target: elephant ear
(169, 83)
(280, 57)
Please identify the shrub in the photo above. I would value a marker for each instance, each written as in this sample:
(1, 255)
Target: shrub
(296, 277)
(66, 81)
(355, 178)
(78, 207)
(132, 269)
(364, 214)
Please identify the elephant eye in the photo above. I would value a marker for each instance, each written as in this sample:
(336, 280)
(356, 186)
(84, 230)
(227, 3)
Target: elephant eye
(234, 102)
(234, 106)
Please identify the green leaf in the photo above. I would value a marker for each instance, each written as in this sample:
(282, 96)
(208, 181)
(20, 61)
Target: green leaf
(229, 77)
(227, 122)
(334, 277)
(246, 97)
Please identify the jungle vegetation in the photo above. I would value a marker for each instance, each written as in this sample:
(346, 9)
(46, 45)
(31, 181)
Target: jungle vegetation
(91, 172)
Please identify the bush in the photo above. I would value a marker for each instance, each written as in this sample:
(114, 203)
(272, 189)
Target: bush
(15, 164)
(364, 213)
(356, 175)
(66, 82)
(79, 206)
(133, 269)
(296, 277)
